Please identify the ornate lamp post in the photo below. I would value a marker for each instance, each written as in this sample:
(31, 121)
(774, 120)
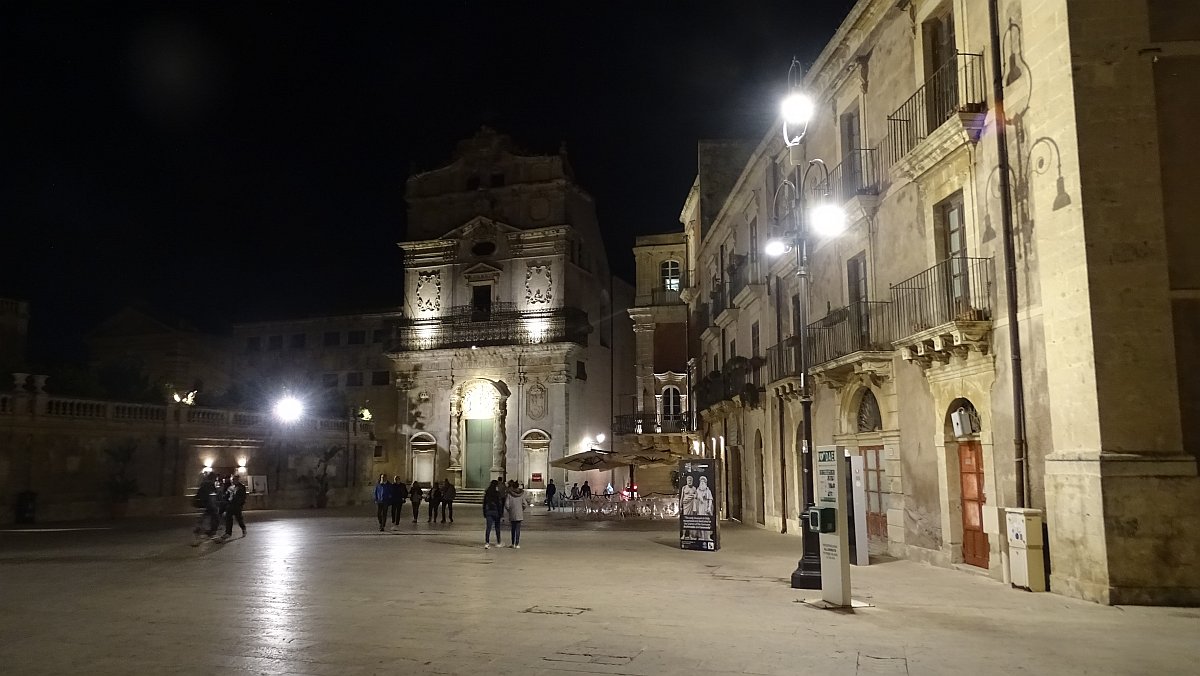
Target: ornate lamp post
(825, 220)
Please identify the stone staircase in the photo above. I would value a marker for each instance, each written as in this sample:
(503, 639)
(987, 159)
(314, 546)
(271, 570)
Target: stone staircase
(470, 496)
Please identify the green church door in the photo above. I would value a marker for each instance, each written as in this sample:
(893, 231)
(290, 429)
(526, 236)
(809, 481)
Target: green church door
(477, 469)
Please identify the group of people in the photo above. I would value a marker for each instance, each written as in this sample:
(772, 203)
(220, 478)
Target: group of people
(499, 503)
(219, 497)
(390, 496)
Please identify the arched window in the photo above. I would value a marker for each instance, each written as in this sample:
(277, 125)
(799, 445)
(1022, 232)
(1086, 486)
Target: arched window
(671, 275)
(869, 419)
(672, 403)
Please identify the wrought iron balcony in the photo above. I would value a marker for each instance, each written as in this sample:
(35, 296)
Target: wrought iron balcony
(736, 379)
(958, 289)
(502, 324)
(651, 423)
(957, 87)
(856, 175)
(665, 296)
(865, 326)
(783, 359)
(739, 274)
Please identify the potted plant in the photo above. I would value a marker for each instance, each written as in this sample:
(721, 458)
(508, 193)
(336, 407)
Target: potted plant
(122, 485)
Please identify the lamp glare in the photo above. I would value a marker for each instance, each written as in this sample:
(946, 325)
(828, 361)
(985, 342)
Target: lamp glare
(289, 409)
(828, 220)
(797, 109)
(776, 248)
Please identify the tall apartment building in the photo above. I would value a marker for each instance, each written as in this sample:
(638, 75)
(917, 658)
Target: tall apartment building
(909, 321)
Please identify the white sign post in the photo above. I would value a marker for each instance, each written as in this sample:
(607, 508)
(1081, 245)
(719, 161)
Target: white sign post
(835, 546)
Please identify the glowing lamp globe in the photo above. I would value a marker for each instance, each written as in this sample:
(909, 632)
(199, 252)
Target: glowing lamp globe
(289, 409)
(827, 220)
(797, 109)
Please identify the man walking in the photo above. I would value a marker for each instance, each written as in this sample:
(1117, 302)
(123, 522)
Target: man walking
(383, 499)
(233, 509)
(399, 497)
(414, 495)
(447, 500)
(551, 495)
(206, 501)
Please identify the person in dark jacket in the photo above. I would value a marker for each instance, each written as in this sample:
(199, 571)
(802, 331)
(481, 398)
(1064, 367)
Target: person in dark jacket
(447, 500)
(233, 508)
(493, 507)
(551, 494)
(399, 497)
(383, 499)
(206, 501)
(435, 499)
(415, 494)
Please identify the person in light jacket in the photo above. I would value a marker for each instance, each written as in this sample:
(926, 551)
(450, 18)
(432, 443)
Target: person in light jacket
(514, 510)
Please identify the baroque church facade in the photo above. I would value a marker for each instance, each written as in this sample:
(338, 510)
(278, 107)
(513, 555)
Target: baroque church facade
(508, 355)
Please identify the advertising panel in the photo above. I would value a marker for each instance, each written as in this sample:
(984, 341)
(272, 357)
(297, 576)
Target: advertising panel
(698, 505)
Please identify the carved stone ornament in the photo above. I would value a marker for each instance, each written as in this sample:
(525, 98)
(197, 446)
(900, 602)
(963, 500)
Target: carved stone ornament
(429, 292)
(535, 401)
(539, 287)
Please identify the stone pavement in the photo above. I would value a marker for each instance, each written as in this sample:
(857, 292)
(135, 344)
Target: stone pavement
(325, 593)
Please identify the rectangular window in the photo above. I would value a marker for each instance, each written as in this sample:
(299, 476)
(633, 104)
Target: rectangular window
(481, 302)
(356, 338)
(380, 377)
(333, 338)
(732, 350)
(274, 342)
(253, 344)
(856, 279)
(299, 341)
(580, 371)
(378, 335)
(379, 452)
(754, 339)
(354, 379)
(329, 379)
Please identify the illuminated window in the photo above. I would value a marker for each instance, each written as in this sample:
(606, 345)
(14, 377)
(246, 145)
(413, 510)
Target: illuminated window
(671, 275)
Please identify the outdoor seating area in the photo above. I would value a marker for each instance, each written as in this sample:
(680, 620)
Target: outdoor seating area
(597, 507)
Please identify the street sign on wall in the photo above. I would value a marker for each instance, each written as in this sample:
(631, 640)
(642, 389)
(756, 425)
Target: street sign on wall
(698, 505)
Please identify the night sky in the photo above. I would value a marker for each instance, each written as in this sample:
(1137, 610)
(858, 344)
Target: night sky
(222, 161)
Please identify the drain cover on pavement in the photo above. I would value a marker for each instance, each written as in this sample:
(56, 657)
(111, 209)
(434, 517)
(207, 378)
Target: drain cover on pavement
(555, 610)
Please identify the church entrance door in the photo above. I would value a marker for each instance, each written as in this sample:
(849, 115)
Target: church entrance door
(478, 467)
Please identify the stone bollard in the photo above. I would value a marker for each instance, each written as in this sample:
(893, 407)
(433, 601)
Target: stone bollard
(19, 381)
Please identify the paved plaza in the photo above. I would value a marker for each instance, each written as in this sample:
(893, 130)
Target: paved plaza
(325, 593)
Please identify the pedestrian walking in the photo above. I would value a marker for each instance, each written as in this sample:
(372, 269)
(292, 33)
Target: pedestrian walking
(414, 496)
(435, 499)
(514, 509)
(234, 504)
(493, 509)
(205, 500)
(551, 494)
(399, 497)
(447, 500)
(383, 499)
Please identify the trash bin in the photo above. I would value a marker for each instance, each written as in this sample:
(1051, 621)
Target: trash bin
(26, 507)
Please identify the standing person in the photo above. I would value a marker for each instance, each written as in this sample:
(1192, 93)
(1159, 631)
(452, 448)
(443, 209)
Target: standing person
(514, 509)
(206, 501)
(493, 508)
(586, 491)
(575, 491)
(383, 499)
(551, 494)
(447, 500)
(399, 497)
(435, 499)
(233, 507)
(414, 496)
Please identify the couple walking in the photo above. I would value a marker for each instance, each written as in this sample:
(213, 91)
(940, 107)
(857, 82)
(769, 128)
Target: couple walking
(509, 503)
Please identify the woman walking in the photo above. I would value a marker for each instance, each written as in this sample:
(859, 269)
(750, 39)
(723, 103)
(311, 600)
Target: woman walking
(493, 507)
(435, 499)
(514, 508)
(415, 496)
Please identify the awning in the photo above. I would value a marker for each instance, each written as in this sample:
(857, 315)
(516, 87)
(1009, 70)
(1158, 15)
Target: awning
(588, 460)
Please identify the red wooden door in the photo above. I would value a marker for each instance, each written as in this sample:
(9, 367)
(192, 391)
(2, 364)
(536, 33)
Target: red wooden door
(876, 492)
(970, 468)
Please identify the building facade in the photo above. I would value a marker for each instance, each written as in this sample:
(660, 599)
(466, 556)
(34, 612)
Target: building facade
(911, 309)
(510, 350)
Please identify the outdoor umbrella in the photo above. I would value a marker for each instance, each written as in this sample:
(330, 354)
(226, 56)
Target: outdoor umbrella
(593, 459)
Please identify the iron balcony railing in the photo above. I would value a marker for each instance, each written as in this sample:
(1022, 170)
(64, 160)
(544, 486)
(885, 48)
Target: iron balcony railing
(859, 327)
(783, 359)
(857, 174)
(739, 274)
(720, 301)
(957, 289)
(736, 378)
(501, 325)
(957, 87)
(651, 423)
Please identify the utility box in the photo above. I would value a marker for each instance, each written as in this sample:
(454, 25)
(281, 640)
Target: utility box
(822, 520)
(1025, 545)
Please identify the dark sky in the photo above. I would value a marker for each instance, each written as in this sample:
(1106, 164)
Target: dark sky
(225, 161)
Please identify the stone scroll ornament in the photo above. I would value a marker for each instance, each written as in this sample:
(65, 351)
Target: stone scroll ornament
(539, 287)
(535, 401)
(429, 292)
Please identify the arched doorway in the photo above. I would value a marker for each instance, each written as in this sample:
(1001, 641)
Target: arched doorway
(735, 482)
(424, 454)
(536, 446)
(962, 426)
(869, 421)
(760, 466)
(482, 433)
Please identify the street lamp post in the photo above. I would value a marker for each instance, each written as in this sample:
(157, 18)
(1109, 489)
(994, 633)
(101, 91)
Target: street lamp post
(825, 220)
